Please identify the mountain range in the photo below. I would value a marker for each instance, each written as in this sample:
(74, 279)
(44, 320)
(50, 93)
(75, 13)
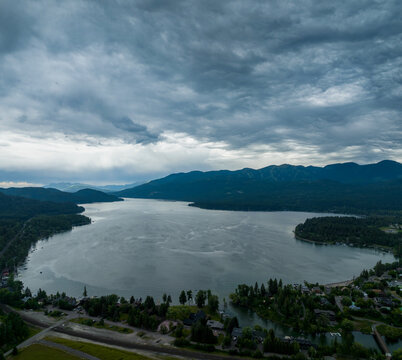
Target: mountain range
(74, 187)
(346, 187)
(53, 195)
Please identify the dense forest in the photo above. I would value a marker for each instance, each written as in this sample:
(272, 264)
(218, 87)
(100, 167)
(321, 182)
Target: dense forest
(321, 196)
(17, 238)
(25, 221)
(360, 231)
(14, 207)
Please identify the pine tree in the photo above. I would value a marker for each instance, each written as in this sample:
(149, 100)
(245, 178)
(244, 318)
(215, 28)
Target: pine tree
(182, 298)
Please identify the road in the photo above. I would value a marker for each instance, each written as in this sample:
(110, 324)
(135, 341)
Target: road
(338, 302)
(40, 335)
(107, 337)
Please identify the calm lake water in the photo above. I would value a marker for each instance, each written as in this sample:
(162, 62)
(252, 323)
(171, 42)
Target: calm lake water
(148, 247)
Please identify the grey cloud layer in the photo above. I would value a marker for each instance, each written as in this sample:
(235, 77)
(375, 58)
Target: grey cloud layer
(319, 74)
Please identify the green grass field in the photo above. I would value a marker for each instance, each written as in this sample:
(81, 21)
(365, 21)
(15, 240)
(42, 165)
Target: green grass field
(33, 331)
(41, 352)
(101, 352)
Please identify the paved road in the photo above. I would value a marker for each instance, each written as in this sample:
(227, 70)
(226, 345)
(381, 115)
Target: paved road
(104, 339)
(338, 301)
(40, 335)
(146, 347)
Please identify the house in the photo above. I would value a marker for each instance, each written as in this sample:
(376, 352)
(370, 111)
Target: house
(303, 343)
(216, 325)
(194, 317)
(304, 289)
(386, 302)
(316, 290)
(324, 301)
(258, 336)
(378, 292)
(236, 333)
(5, 272)
(354, 307)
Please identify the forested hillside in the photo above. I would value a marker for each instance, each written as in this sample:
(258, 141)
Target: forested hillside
(14, 207)
(24, 221)
(342, 188)
(84, 196)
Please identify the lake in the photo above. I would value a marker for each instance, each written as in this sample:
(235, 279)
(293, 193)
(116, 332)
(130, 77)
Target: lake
(148, 247)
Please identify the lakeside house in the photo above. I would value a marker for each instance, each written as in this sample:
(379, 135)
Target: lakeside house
(236, 333)
(303, 343)
(215, 325)
(194, 317)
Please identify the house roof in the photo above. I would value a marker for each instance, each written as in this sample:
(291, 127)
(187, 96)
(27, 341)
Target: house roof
(215, 324)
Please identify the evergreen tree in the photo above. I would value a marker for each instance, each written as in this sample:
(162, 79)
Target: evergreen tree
(182, 297)
(200, 298)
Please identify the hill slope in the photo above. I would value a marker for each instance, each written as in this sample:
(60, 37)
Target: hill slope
(13, 207)
(339, 187)
(54, 195)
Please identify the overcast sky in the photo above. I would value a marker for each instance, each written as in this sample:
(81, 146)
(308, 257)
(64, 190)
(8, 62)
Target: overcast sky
(114, 91)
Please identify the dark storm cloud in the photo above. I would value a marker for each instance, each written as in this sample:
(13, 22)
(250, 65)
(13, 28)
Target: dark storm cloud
(323, 75)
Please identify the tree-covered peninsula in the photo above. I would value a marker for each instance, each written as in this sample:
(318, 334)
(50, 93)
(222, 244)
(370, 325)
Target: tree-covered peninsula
(373, 231)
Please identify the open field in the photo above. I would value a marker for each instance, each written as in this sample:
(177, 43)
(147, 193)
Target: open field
(101, 352)
(41, 352)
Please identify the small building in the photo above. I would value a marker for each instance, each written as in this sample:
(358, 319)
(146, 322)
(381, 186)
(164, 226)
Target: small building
(324, 301)
(236, 333)
(386, 302)
(258, 336)
(378, 292)
(304, 289)
(216, 325)
(305, 344)
(194, 317)
(316, 290)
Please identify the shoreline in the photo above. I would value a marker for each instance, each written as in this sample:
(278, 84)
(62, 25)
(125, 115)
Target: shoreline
(374, 247)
